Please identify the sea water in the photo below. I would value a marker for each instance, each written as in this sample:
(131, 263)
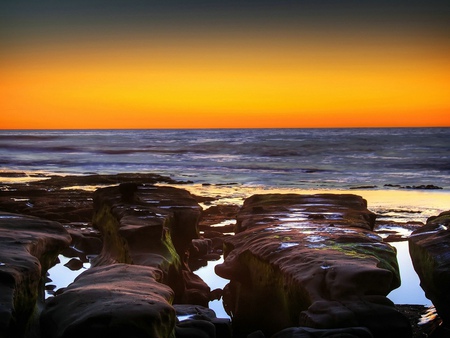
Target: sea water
(301, 158)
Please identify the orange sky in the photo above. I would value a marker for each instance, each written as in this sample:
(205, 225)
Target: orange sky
(160, 77)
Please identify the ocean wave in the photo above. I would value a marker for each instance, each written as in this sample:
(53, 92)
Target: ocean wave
(269, 156)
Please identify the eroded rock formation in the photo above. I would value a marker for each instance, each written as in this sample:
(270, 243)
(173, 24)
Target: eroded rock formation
(29, 246)
(146, 226)
(151, 226)
(65, 199)
(310, 260)
(119, 300)
(296, 261)
(430, 252)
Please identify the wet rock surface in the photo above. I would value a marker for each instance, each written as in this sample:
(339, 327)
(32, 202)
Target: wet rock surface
(65, 199)
(430, 252)
(170, 214)
(392, 231)
(119, 300)
(310, 260)
(151, 226)
(29, 246)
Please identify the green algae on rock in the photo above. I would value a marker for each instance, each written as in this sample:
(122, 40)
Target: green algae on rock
(152, 226)
(310, 260)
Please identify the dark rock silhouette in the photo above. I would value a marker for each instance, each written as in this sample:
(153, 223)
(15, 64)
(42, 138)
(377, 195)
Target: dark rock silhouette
(306, 332)
(198, 321)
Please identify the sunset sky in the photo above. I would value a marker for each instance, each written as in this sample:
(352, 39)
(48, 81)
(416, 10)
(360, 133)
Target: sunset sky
(224, 64)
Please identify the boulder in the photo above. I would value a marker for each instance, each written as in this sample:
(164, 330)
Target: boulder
(151, 226)
(313, 261)
(118, 300)
(198, 321)
(429, 248)
(29, 246)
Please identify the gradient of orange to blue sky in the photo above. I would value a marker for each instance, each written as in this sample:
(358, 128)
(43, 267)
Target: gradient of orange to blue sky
(211, 64)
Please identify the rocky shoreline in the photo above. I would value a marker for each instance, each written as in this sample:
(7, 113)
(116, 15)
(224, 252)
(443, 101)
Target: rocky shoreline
(145, 240)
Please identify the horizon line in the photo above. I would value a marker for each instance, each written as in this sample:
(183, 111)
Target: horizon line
(225, 128)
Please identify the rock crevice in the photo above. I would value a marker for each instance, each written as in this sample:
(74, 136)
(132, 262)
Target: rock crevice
(151, 226)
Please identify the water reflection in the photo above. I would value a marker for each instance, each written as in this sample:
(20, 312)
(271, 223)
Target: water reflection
(410, 291)
(214, 282)
(60, 276)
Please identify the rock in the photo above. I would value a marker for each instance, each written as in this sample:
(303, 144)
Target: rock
(363, 187)
(306, 332)
(204, 199)
(29, 246)
(200, 247)
(194, 311)
(65, 199)
(219, 213)
(392, 231)
(105, 180)
(287, 269)
(86, 241)
(48, 202)
(390, 185)
(424, 187)
(218, 220)
(256, 334)
(418, 187)
(195, 329)
(13, 174)
(338, 210)
(74, 264)
(423, 319)
(151, 226)
(198, 321)
(429, 248)
(118, 300)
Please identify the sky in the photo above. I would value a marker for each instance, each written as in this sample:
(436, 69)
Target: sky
(224, 64)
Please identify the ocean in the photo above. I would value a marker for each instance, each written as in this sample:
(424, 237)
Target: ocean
(291, 158)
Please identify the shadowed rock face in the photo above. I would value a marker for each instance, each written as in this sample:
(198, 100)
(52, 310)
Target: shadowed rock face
(29, 246)
(151, 226)
(119, 300)
(430, 252)
(310, 260)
